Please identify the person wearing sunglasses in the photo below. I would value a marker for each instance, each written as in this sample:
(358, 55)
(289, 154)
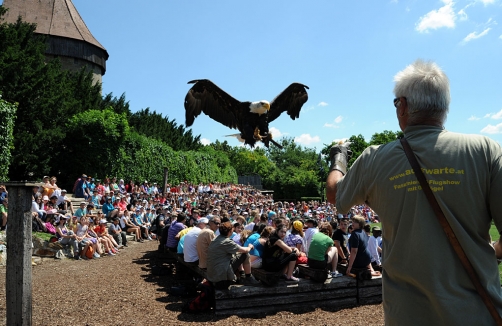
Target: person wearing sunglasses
(424, 281)
(205, 237)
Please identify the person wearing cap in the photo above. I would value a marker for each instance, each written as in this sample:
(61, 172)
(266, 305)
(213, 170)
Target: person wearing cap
(81, 210)
(190, 254)
(107, 244)
(254, 219)
(153, 189)
(295, 238)
(66, 236)
(108, 209)
(374, 249)
(205, 237)
(102, 231)
(63, 202)
(137, 219)
(144, 187)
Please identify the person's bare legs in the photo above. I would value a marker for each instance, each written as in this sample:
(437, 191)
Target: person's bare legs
(333, 258)
(290, 269)
(247, 266)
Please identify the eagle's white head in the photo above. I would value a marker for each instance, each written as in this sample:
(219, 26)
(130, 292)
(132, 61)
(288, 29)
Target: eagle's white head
(260, 107)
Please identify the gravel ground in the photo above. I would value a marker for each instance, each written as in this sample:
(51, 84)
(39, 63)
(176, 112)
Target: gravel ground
(121, 290)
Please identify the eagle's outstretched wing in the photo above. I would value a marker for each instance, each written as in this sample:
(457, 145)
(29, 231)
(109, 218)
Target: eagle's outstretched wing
(206, 97)
(290, 100)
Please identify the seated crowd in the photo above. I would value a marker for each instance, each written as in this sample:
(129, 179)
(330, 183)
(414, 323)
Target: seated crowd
(223, 228)
(226, 233)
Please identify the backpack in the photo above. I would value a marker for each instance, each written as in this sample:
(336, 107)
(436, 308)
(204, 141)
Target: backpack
(203, 302)
(90, 252)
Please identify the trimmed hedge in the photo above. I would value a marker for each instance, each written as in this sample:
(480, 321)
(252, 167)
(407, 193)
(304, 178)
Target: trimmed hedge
(144, 158)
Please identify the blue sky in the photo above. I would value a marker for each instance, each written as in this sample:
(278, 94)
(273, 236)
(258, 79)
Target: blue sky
(347, 52)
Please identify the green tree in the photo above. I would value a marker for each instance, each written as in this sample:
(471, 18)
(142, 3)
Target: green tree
(385, 137)
(96, 140)
(154, 125)
(296, 172)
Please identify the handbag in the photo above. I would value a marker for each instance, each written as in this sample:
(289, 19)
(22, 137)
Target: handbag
(449, 233)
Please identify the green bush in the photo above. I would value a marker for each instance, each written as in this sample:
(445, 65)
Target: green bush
(8, 114)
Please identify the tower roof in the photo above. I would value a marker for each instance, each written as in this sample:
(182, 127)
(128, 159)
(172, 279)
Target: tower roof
(53, 18)
(68, 36)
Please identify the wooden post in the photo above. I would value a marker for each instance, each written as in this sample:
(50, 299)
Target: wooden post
(166, 177)
(19, 243)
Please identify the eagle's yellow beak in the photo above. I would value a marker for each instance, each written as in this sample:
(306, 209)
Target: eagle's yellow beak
(266, 106)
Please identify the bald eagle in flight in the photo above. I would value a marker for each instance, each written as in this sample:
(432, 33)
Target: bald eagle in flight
(250, 118)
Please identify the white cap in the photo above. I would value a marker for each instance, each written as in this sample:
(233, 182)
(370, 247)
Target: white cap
(204, 220)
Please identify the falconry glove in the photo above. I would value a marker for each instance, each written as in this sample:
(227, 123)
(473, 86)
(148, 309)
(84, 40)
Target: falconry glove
(339, 155)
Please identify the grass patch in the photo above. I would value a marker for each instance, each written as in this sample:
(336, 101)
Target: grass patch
(42, 235)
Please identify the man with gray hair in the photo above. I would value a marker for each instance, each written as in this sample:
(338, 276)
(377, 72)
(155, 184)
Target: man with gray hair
(424, 282)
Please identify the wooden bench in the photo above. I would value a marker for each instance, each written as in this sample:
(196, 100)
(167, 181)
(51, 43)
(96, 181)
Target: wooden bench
(361, 273)
(316, 275)
(266, 278)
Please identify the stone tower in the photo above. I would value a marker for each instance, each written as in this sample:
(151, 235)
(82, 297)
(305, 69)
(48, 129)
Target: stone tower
(69, 38)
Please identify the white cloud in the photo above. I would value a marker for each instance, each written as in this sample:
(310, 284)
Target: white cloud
(205, 141)
(497, 115)
(473, 117)
(443, 17)
(487, 2)
(462, 15)
(337, 120)
(322, 104)
(500, 37)
(497, 129)
(494, 116)
(474, 35)
(276, 133)
(307, 139)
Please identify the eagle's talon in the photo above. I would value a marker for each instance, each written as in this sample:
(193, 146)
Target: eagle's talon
(256, 134)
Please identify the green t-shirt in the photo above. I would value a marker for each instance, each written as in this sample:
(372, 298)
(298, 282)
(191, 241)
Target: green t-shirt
(424, 282)
(320, 243)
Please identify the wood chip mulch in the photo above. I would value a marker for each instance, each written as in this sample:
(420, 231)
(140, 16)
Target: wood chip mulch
(122, 290)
